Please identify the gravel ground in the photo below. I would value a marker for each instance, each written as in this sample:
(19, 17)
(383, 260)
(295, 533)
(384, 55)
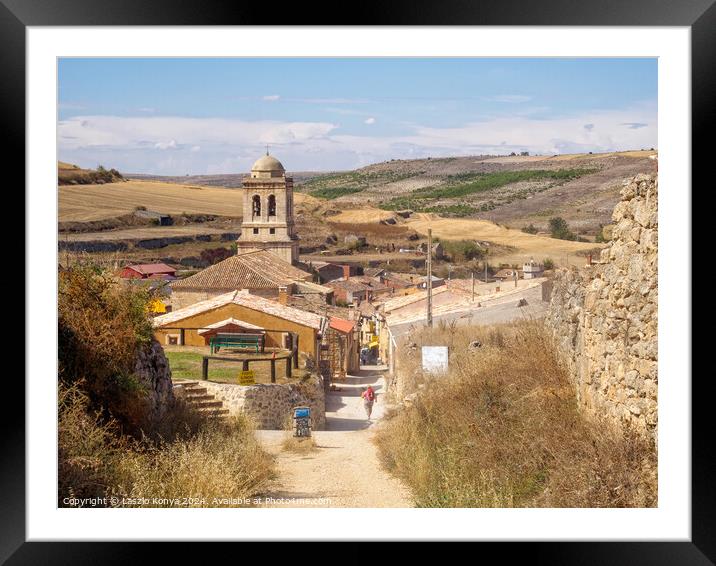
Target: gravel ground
(344, 470)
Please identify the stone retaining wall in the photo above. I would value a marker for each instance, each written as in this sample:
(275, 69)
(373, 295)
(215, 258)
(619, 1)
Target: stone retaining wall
(271, 405)
(604, 316)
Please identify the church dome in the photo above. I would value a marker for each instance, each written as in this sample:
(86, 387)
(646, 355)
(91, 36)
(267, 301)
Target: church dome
(267, 163)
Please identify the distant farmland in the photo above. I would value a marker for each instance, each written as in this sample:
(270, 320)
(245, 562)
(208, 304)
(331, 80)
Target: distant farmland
(81, 203)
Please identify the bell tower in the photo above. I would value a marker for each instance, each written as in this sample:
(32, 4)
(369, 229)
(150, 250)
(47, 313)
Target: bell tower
(268, 211)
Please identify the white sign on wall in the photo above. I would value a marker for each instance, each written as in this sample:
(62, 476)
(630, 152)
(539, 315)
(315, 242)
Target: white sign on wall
(435, 359)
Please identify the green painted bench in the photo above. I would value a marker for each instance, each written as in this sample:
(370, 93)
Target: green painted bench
(237, 342)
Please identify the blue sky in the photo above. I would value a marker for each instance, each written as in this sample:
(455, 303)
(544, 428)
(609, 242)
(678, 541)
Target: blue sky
(194, 116)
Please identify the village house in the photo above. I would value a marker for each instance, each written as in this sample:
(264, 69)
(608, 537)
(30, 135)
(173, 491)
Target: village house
(355, 290)
(148, 271)
(374, 272)
(334, 271)
(343, 347)
(436, 282)
(507, 275)
(244, 312)
(438, 249)
(398, 283)
(259, 271)
(533, 270)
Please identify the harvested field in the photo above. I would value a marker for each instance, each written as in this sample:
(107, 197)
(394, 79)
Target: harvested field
(153, 232)
(362, 215)
(526, 245)
(94, 202)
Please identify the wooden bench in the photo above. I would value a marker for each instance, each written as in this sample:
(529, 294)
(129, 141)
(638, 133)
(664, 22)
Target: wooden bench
(237, 342)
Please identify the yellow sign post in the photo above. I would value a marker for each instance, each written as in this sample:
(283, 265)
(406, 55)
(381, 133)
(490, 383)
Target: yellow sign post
(247, 377)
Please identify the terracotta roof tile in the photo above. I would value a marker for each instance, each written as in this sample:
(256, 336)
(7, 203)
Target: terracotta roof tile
(251, 270)
(342, 325)
(244, 299)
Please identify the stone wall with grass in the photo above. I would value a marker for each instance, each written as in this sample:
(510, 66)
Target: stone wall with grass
(604, 316)
(270, 405)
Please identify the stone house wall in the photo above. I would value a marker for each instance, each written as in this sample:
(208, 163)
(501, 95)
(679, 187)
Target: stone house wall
(604, 316)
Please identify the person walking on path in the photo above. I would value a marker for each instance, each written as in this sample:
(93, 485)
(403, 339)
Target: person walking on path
(368, 397)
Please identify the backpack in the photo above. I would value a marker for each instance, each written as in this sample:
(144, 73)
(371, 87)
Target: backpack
(369, 394)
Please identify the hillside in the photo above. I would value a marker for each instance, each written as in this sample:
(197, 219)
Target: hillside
(68, 174)
(486, 199)
(512, 190)
(98, 201)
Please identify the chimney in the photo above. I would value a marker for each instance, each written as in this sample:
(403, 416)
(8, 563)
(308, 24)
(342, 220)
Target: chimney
(346, 271)
(283, 295)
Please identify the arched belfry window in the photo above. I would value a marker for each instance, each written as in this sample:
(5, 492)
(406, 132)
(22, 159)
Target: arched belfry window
(272, 205)
(256, 206)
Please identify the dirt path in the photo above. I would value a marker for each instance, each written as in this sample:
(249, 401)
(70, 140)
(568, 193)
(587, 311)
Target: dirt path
(344, 470)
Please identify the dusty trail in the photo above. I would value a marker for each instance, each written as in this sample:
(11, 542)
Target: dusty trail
(344, 470)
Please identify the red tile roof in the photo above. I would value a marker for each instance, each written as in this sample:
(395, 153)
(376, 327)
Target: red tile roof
(250, 270)
(342, 325)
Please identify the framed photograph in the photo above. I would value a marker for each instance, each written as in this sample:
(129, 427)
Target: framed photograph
(252, 239)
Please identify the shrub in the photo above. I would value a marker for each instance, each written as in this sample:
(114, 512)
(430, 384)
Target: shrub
(559, 229)
(101, 325)
(548, 263)
(462, 249)
(601, 237)
(199, 458)
(503, 430)
(531, 229)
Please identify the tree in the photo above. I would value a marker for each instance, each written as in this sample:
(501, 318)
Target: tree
(559, 229)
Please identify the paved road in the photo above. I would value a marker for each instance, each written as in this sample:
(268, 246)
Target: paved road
(493, 312)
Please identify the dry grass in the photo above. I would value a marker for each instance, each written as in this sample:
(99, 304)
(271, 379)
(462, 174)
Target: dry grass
(200, 463)
(111, 444)
(362, 215)
(300, 445)
(95, 202)
(502, 430)
(524, 245)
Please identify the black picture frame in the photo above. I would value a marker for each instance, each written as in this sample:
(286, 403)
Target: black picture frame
(699, 15)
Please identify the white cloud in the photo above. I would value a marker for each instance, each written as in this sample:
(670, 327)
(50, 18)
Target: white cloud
(171, 144)
(370, 120)
(135, 132)
(218, 145)
(272, 97)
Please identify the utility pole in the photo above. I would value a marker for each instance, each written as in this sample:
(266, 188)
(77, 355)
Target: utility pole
(429, 280)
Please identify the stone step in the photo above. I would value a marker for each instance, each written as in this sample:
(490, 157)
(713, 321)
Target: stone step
(196, 392)
(191, 399)
(215, 412)
(207, 404)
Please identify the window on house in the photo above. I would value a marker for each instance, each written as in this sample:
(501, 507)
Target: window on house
(272, 230)
(272, 205)
(256, 205)
(256, 230)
